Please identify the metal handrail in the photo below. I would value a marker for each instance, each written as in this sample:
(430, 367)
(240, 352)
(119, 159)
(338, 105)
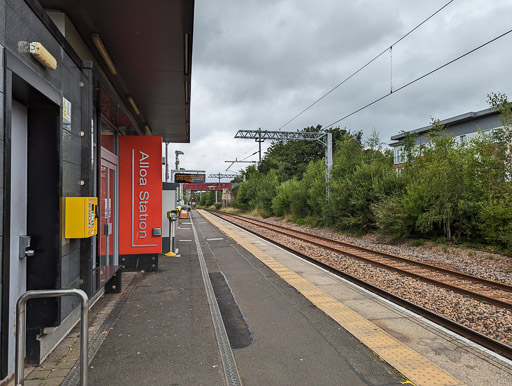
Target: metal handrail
(21, 308)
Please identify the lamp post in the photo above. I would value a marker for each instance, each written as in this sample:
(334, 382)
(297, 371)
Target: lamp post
(178, 153)
(166, 162)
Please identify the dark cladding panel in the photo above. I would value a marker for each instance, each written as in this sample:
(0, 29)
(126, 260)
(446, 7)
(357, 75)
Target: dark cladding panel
(72, 93)
(1, 139)
(70, 277)
(23, 25)
(2, 30)
(1, 210)
(2, 97)
(2, 80)
(70, 179)
(71, 147)
(87, 174)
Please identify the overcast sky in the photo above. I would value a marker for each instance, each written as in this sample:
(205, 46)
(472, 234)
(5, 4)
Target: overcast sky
(258, 63)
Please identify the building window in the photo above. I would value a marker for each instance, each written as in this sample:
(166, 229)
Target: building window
(399, 155)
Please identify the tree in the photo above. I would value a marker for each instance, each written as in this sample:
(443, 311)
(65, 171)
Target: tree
(314, 182)
(362, 177)
(282, 202)
(258, 190)
(207, 199)
(436, 190)
(496, 222)
(266, 191)
(494, 164)
(444, 193)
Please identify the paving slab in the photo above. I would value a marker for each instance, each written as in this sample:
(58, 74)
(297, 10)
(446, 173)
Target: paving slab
(164, 334)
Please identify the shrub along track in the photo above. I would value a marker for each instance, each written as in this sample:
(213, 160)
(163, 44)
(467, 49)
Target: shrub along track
(474, 307)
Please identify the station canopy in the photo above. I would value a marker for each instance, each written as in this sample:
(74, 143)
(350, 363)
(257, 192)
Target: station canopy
(150, 44)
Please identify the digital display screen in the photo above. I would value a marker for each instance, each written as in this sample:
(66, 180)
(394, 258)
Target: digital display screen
(183, 178)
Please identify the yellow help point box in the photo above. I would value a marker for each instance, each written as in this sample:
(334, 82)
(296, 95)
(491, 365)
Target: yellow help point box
(80, 219)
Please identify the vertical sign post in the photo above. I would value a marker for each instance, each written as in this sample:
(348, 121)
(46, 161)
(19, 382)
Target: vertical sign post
(140, 201)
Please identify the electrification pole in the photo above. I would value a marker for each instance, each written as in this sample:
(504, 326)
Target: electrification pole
(259, 140)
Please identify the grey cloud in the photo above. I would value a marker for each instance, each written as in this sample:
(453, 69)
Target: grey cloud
(258, 63)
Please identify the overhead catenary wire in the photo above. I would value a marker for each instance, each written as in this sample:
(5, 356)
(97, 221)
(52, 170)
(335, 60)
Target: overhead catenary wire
(247, 151)
(366, 65)
(242, 160)
(391, 67)
(249, 156)
(419, 78)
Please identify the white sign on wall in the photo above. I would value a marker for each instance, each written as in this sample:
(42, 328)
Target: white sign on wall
(66, 111)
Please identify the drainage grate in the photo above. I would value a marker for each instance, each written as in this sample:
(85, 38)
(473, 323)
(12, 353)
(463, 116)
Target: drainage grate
(228, 359)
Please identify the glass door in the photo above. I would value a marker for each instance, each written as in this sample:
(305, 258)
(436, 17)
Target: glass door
(107, 261)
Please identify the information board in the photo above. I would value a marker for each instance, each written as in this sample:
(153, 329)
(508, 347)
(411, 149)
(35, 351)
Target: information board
(185, 178)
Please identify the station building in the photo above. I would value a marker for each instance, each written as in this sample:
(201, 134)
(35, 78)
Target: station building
(462, 127)
(77, 77)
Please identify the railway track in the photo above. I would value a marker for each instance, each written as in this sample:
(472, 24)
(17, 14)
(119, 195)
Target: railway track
(483, 290)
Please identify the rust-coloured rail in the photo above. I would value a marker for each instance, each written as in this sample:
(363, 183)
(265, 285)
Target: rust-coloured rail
(492, 344)
(478, 288)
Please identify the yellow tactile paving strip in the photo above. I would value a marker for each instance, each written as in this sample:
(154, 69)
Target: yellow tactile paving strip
(418, 369)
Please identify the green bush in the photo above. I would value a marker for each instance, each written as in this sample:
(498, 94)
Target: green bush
(282, 200)
(417, 243)
(496, 222)
(392, 219)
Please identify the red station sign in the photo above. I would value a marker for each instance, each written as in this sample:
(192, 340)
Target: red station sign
(208, 186)
(140, 195)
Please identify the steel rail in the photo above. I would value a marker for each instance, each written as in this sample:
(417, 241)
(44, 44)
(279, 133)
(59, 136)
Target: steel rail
(499, 285)
(483, 340)
(423, 277)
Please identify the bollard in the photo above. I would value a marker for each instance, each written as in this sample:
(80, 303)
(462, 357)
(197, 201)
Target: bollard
(172, 215)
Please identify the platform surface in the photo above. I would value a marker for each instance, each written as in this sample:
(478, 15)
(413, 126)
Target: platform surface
(289, 323)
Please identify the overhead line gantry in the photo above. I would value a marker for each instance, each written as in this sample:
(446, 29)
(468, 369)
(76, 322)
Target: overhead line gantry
(220, 175)
(323, 138)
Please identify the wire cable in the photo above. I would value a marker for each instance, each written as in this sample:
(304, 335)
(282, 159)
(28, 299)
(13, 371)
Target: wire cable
(256, 152)
(367, 64)
(232, 163)
(245, 152)
(421, 77)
